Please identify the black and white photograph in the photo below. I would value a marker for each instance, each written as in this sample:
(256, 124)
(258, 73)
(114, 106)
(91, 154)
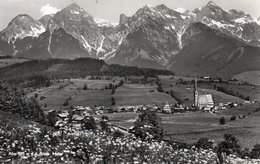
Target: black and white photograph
(130, 82)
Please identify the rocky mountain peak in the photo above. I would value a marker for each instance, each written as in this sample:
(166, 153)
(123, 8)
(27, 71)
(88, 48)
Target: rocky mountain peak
(21, 26)
(73, 6)
(123, 19)
(45, 19)
(75, 10)
(211, 3)
(22, 19)
(161, 7)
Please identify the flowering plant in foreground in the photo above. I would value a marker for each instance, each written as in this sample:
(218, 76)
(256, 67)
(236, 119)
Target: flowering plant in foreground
(77, 146)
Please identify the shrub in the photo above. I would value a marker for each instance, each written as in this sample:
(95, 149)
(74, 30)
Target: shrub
(36, 95)
(89, 123)
(159, 88)
(229, 145)
(113, 101)
(148, 126)
(118, 134)
(233, 118)
(52, 118)
(204, 143)
(66, 103)
(42, 97)
(85, 87)
(222, 121)
(104, 123)
(255, 153)
(245, 153)
(120, 83)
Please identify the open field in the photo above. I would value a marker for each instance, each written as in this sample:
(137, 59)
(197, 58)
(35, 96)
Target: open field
(185, 91)
(189, 127)
(253, 77)
(185, 127)
(73, 90)
(128, 94)
(139, 94)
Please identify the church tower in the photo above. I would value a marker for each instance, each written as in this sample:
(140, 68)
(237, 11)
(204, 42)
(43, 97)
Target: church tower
(196, 94)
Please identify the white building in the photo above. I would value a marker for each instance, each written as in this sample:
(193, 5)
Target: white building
(167, 108)
(205, 102)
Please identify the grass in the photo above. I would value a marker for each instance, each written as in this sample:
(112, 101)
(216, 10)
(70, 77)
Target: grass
(189, 127)
(95, 95)
(253, 77)
(140, 94)
(128, 94)
(186, 127)
(185, 92)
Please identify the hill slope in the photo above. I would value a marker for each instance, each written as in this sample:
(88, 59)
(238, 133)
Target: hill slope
(208, 52)
(62, 68)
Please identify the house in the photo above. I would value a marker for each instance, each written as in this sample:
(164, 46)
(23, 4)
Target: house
(205, 102)
(167, 108)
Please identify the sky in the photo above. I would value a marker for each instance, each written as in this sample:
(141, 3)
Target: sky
(111, 9)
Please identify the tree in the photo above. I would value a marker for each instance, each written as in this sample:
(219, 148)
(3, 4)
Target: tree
(113, 101)
(52, 118)
(113, 91)
(66, 103)
(222, 121)
(120, 83)
(159, 88)
(233, 118)
(89, 123)
(104, 123)
(229, 145)
(85, 87)
(148, 126)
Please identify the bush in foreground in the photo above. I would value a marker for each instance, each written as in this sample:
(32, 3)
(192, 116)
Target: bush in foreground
(204, 143)
(148, 126)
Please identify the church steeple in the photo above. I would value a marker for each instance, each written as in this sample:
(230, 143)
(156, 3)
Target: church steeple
(196, 94)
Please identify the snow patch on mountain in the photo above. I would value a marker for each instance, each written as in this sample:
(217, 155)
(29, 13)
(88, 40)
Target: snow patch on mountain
(109, 55)
(74, 12)
(144, 54)
(183, 17)
(100, 48)
(181, 10)
(86, 45)
(103, 22)
(37, 30)
(49, 44)
(179, 36)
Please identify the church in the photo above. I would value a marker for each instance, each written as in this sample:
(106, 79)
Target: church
(204, 101)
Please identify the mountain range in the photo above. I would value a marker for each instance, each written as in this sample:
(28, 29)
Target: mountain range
(210, 40)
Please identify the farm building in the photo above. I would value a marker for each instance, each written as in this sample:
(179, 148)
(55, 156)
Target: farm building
(167, 108)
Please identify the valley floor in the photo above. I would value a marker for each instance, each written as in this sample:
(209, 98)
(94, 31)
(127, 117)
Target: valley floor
(184, 127)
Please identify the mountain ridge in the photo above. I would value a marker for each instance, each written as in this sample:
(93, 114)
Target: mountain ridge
(152, 37)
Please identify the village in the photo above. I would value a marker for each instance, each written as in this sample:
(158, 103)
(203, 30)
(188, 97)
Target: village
(202, 103)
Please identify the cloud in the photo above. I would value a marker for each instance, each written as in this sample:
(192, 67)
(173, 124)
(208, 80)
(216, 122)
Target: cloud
(48, 9)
